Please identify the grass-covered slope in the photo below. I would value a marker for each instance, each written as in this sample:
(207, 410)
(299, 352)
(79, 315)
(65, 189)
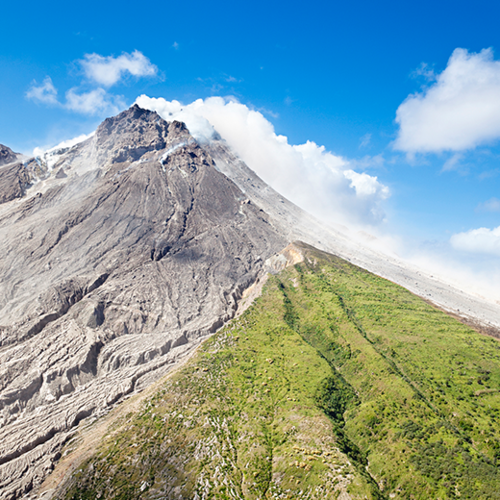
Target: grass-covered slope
(334, 384)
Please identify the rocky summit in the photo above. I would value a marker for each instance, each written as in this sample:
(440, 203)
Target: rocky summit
(118, 257)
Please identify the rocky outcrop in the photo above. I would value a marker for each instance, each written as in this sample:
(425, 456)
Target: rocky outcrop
(14, 180)
(7, 155)
(109, 275)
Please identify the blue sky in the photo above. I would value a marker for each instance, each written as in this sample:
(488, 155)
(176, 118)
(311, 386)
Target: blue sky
(335, 73)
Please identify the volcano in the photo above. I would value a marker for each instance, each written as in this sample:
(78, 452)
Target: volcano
(120, 255)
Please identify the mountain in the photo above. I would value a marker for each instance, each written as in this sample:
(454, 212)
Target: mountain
(110, 275)
(123, 253)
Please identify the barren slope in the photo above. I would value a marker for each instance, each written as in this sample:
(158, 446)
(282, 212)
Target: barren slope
(109, 274)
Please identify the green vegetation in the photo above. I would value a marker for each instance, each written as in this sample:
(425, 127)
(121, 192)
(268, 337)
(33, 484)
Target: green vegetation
(334, 384)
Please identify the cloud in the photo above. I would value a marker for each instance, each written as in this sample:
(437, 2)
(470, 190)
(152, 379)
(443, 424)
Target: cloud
(313, 178)
(365, 140)
(473, 275)
(492, 205)
(94, 102)
(90, 98)
(459, 111)
(482, 240)
(366, 185)
(425, 71)
(489, 174)
(68, 143)
(51, 155)
(107, 71)
(453, 162)
(45, 93)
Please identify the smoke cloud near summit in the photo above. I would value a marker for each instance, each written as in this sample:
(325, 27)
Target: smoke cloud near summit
(318, 181)
(326, 185)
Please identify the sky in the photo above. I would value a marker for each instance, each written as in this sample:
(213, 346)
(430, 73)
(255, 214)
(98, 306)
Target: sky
(382, 116)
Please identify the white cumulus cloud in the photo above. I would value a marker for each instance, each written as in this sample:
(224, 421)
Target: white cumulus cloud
(109, 70)
(94, 102)
(482, 240)
(459, 111)
(45, 93)
(315, 179)
(90, 97)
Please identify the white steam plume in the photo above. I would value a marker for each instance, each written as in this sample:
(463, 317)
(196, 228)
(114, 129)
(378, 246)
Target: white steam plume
(318, 181)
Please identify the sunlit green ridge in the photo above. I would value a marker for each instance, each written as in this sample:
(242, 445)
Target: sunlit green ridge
(335, 383)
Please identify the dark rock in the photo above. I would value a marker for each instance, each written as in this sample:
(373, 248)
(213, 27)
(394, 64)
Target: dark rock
(61, 174)
(7, 155)
(14, 179)
(96, 317)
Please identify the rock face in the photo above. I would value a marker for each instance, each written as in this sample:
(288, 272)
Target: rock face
(109, 274)
(14, 180)
(6, 155)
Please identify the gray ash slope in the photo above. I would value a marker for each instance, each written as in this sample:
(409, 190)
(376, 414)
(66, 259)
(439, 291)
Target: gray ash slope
(111, 272)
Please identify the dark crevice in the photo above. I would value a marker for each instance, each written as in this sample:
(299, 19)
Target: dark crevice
(351, 316)
(158, 254)
(395, 369)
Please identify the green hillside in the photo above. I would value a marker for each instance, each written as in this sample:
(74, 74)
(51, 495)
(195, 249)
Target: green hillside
(334, 384)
